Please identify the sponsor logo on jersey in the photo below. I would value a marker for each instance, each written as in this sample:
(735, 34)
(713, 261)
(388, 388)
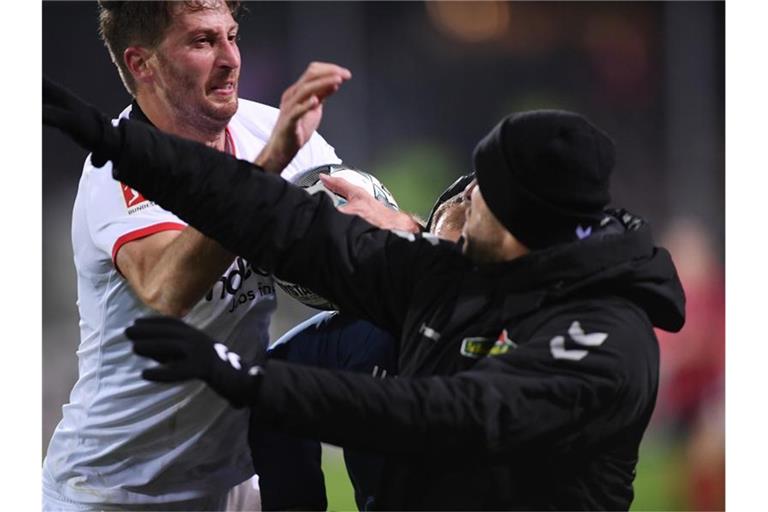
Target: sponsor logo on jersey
(477, 347)
(134, 201)
(230, 285)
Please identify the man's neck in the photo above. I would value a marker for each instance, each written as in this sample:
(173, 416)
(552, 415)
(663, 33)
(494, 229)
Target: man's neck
(213, 137)
(505, 248)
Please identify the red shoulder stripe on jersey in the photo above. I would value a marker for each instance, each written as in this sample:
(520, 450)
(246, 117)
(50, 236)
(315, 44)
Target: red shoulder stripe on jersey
(142, 233)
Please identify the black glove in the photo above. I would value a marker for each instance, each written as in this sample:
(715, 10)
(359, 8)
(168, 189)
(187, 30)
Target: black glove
(188, 353)
(81, 121)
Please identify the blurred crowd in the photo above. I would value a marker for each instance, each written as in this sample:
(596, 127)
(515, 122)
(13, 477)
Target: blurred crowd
(690, 412)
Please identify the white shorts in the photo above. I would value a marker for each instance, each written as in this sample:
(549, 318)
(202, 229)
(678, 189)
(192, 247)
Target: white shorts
(54, 503)
(245, 497)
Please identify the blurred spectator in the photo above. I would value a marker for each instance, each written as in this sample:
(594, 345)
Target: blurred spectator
(691, 394)
(705, 456)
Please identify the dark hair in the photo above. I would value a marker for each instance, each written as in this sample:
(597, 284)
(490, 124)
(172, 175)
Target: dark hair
(124, 24)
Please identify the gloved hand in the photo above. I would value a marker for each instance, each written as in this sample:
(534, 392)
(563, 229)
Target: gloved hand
(81, 121)
(188, 353)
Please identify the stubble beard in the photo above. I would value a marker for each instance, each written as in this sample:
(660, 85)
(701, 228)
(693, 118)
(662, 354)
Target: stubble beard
(204, 115)
(198, 112)
(480, 251)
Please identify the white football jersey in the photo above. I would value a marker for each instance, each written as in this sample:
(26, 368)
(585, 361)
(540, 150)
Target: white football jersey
(123, 439)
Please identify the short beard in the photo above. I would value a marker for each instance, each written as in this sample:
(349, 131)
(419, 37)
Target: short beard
(204, 118)
(479, 253)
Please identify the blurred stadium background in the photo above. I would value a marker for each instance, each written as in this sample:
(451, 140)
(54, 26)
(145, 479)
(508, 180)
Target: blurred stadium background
(430, 78)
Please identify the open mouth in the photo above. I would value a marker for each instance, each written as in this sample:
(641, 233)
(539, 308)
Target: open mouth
(224, 89)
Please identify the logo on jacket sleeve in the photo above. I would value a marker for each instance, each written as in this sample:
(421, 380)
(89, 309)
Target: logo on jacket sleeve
(577, 334)
(477, 347)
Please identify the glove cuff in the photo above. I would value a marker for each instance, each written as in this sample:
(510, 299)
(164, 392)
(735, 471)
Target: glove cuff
(239, 387)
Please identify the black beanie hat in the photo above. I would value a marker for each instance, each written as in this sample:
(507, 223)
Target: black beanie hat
(545, 175)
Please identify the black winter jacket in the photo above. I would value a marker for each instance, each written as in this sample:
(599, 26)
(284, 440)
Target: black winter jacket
(523, 385)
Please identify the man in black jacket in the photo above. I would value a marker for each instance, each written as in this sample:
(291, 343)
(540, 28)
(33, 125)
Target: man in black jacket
(528, 362)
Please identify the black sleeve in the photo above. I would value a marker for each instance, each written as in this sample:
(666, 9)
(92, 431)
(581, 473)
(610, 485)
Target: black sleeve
(523, 399)
(278, 227)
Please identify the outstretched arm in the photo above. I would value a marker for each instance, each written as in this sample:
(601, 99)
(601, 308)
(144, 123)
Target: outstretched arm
(276, 226)
(170, 271)
(528, 397)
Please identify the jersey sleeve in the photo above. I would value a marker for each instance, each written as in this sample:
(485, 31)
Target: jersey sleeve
(118, 214)
(540, 394)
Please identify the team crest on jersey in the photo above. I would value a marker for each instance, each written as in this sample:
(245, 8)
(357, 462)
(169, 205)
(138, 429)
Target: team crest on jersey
(477, 347)
(134, 201)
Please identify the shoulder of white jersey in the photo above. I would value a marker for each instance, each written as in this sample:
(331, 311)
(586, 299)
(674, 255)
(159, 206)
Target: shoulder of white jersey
(255, 117)
(262, 118)
(103, 173)
(259, 119)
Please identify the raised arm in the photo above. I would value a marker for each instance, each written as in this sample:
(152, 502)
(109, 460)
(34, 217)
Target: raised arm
(301, 110)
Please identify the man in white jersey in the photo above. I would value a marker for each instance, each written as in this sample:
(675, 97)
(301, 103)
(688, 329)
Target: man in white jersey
(125, 443)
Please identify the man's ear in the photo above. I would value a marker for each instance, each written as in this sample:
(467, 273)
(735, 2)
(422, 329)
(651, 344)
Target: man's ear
(137, 60)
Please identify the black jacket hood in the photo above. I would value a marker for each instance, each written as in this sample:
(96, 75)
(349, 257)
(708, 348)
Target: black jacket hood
(625, 263)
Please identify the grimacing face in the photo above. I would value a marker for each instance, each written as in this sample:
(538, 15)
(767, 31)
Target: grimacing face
(196, 66)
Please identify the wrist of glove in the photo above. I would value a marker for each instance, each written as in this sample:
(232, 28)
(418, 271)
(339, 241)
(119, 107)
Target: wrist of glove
(185, 353)
(82, 122)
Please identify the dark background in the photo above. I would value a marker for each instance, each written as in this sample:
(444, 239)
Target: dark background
(429, 80)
